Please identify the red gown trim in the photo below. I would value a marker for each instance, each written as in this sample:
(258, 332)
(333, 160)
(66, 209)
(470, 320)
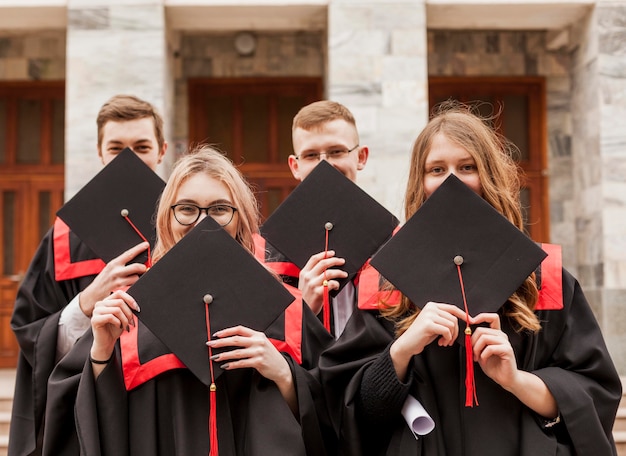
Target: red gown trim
(292, 344)
(368, 284)
(369, 292)
(136, 373)
(279, 267)
(64, 268)
(551, 292)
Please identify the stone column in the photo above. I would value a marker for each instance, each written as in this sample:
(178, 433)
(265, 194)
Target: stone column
(599, 140)
(611, 70)
(377, 67)
(112, 47)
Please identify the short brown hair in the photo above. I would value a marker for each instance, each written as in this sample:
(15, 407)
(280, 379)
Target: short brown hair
(320, 112)
(122, 108)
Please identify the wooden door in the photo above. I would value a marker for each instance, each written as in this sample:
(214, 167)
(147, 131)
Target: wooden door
(250, 120)
(31, 186)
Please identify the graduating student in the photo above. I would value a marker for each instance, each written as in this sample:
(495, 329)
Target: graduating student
(322, 236)
(65, 278)
(505, 361)
(323, 131)
(152, 386)
(329, 212)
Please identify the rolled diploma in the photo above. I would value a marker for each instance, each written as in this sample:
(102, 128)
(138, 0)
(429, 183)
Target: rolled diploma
(417, 417)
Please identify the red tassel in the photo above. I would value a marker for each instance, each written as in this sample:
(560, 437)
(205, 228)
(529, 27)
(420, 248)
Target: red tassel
(326, 293)
(326, 305)
(470, 387)
(143, 238)
(213, 447)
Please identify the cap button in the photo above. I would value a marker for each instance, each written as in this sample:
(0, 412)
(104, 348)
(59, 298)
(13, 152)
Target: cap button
(458, 260)
(124, 212)
(328, 226)
(208, 299)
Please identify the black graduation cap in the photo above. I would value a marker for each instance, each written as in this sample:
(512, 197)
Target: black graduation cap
(358, 224)
(207, 266)
(102, 214)
(457, 226)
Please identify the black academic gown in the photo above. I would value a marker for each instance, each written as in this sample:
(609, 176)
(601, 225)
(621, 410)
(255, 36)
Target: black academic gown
(166, 412)
(568, 354)
(40, 299)
(64, 425)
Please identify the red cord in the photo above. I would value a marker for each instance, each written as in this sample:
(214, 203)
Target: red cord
(213, 446)
(149, 260)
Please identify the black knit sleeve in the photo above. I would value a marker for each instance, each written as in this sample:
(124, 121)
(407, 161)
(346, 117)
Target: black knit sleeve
(382, 394)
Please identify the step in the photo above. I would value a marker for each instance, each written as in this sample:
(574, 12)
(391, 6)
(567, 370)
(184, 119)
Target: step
(620, 419)
(7, 386)
(6, 404)
(5, 420)
(620, 442)
(4, 444)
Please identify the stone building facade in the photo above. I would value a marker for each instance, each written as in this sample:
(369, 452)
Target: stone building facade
(375, 56)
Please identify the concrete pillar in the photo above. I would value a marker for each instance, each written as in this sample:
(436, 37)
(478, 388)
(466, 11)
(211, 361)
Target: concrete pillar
(377, 67)
(610, 18)
(599, 107)
(112, 47)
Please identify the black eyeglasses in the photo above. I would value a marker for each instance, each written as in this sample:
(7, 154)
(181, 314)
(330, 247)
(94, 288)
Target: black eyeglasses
(187, 214)
(333, 154)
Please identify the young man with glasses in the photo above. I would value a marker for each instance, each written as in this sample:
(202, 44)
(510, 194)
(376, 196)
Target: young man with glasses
(55, 301)
(326, 130)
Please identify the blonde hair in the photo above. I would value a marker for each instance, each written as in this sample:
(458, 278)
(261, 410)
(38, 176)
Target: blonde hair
(500, 182)
(205, 159)
(318, 113)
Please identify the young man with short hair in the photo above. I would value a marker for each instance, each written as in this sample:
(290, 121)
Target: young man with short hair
(326, 130)
(65, 279)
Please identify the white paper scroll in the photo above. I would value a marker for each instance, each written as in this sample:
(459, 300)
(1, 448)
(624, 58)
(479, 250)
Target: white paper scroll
(417, 417)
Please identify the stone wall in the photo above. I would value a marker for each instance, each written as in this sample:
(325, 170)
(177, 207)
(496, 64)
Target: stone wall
(32, 56)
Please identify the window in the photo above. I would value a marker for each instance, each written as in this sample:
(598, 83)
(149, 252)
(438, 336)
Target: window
(250, 119)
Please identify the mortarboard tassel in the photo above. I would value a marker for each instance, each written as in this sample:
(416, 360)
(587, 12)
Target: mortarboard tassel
(213, 446)
(470, 387)
(326, 294)
(124, 213)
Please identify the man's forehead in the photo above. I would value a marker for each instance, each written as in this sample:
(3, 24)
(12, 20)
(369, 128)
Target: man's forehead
(335, 132)
(327, 126)
(142, 127)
